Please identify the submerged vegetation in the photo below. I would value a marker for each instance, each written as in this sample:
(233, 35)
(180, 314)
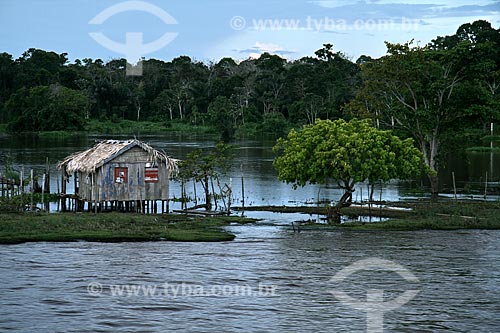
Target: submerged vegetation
(441, 214)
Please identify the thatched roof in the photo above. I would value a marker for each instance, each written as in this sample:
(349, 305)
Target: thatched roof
(90, 160)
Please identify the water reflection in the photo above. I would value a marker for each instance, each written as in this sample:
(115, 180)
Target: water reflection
(253, 161)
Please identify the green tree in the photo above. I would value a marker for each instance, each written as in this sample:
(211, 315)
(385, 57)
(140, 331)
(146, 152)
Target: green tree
(39, 67)
(270, 80)
(47, 108)
(347, 152)
(164, 104)
(7, 75)
(413, 89)
(223, 114)
(207, 169)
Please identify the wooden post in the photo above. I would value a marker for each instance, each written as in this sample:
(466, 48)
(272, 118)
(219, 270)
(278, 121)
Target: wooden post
(63, 189)
(195, 196)
(21, 188)
(243, 191)
(93, 198)
(75, 183)
(380, 202)
(486, 185)
(454, 185)
(230, 194)
(47, 172)
(183, 183)
(43, 192)
(32, 189)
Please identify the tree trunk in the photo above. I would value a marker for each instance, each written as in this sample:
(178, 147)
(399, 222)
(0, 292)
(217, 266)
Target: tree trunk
(434, 180)
(345, 200)
(334, 213)
(429, 150)
(208, 199)
(371, 189)
(179, 104)
(170, 109)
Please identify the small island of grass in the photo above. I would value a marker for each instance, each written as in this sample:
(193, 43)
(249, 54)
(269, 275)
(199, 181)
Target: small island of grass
(18, 228)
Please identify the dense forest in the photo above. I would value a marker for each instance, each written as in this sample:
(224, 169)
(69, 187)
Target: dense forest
(453, 77)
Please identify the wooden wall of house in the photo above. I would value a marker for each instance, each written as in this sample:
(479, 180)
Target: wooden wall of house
(105, 188)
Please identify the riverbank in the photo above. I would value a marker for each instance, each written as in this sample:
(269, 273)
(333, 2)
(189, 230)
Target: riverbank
(113, 227)
(143, 127)
(443, 214)
(422, 214)
(120, 127)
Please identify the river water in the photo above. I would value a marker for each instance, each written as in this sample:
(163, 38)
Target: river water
(253, 161)
(52, 287)
(269, 279)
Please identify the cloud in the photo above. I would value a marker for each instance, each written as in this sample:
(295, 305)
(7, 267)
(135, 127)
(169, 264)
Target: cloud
(258, 48)
(397, 9)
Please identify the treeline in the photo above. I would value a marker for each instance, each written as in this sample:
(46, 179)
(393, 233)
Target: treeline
(42, 91)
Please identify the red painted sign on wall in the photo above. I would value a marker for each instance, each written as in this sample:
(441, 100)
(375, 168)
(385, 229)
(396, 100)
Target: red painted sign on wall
(151, 175)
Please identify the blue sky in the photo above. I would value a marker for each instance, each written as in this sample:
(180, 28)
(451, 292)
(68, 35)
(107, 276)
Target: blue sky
(211, 30)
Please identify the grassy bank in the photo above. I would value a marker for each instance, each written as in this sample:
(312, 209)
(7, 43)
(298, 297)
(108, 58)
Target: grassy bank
(441, 214)
(352, 211)
(112, 227)
(428, 223)
(124, 127)
(130, 127)
(143, 127)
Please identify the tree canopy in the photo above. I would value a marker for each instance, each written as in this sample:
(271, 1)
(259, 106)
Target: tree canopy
(183, 89)
(443, 95)
(439, 94)
(346, 152)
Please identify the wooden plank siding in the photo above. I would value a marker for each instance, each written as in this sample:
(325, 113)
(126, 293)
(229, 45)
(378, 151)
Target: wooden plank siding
(101, 186)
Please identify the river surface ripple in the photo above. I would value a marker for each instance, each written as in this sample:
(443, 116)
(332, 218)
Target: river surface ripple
(45, 286)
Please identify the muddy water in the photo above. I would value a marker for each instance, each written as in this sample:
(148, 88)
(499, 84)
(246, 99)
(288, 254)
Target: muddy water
(72, 287)
(45, 286)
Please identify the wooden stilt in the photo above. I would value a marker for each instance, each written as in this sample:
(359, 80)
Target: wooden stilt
(63, 190)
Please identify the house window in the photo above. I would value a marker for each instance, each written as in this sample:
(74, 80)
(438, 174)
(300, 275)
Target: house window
(151, 173)
(121, 175)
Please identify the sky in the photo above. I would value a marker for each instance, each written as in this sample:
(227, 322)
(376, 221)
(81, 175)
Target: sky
(211, 30)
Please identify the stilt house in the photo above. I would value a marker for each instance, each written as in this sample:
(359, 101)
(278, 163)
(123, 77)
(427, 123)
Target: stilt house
(119, 172)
